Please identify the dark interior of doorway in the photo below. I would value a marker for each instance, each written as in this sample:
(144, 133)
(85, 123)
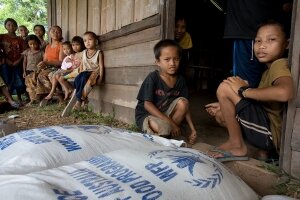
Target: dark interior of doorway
(205, 23)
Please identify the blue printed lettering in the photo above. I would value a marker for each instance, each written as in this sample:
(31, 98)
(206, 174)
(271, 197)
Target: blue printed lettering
(152, 195)
(64, 195)
(67, 142)
(161, 171)
(124, 175)
(31, 136)
(6, 142)
(126, 178)
(119, 172)
(144, 187)
(97, 184)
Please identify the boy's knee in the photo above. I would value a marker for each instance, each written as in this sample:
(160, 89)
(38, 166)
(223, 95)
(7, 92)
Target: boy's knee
(183, 104)
(224, 89)
(164, 129)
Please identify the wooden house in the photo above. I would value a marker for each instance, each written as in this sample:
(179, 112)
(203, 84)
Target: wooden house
(128, 30)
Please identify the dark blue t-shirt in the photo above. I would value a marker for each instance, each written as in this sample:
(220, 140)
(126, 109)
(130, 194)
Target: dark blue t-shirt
(155, 90)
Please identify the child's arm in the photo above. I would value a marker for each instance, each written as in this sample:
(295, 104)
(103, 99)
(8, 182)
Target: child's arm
(153, 110)
(17, 62)
(24, 65)
(9, 62)
(282, 89)
(101, 67)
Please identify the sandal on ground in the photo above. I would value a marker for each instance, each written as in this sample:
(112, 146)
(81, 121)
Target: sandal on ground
(228, 156)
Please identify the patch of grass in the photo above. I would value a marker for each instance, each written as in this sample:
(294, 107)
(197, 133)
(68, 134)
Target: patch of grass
(287, 185)
(133, 127)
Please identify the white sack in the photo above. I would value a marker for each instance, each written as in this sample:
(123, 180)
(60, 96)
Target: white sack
(49, 147)
(160, 173)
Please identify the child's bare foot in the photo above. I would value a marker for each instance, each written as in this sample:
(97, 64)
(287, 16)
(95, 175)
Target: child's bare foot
(77, 106)
(212, 108)
(84, 104)
(68, 94)
(192, 137)
(49, 96)
(31, 103)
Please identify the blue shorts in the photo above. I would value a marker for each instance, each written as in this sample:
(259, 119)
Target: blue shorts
(245, 64)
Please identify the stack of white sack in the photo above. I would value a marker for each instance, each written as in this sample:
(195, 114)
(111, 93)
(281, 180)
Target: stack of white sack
(99, 162)
(150, 173)
(49, 147)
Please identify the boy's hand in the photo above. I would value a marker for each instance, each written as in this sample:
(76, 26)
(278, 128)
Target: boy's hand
(175, 131)
(235, 83)
(24, 74)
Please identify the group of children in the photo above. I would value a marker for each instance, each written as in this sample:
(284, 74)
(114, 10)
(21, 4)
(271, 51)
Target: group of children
(254, 114)
(48, 65)
(251, 113)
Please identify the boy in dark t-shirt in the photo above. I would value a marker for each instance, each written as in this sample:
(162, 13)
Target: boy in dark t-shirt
(163, 97)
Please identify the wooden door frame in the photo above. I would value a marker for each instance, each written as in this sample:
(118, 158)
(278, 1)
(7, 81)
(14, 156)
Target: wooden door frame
(288, 126)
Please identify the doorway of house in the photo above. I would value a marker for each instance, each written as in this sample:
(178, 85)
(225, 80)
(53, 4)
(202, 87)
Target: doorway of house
(211, 61)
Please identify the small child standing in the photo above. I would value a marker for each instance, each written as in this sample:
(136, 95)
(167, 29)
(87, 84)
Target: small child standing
(23, 31)
(39, 31)
(91, 72)
(163, 97)
(32, 57)
(11, 70)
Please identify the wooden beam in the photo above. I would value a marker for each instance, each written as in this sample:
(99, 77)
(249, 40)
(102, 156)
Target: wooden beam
(168, 21)
(146, 35)
(135, 27)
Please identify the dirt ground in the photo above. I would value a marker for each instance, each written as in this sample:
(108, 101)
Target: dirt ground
(35, 116)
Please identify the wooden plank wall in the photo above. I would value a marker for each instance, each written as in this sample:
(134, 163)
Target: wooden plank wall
(290, 151)
(75, 16)
(128, 56)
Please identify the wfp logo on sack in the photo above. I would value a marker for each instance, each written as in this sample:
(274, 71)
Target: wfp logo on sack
(173, 163)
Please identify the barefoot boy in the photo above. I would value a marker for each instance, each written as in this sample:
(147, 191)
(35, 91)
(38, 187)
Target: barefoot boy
(255, 113)
(162, 99)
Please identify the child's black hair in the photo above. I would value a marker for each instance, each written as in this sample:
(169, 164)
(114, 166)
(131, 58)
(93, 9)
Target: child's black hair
(93, 35)
(32, 37)
(67, 43)
(277, 23)
(163, 44)
(59, 28)
(79, 40)
(10, 20)
(41, 26)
